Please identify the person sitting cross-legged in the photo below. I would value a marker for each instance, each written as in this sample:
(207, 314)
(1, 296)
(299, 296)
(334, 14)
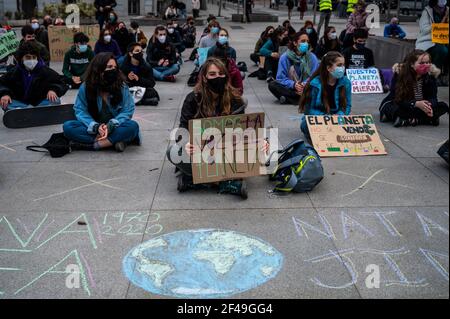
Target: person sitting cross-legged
(162, 56)
(140, 74)
(76, 60)
(103, 108)
(30, 82)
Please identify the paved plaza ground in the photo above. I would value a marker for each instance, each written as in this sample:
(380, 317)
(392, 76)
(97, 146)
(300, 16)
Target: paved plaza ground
(92, 209)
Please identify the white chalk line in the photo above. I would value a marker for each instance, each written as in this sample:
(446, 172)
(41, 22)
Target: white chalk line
(365, 183)
(376, 180)
(6, 146)
(93, 182)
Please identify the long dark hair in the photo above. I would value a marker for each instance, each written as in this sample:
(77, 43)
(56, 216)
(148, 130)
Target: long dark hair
(295, 38)
(265, 34)
(328, 60)
(95, 83)
(332, 44)
(206, 101)
(404, 89)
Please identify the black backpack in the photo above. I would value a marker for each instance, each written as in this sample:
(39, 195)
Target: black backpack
(58, 146)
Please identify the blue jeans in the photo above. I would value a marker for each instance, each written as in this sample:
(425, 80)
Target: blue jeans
(77, 131)
(160, 72)
(15, 104)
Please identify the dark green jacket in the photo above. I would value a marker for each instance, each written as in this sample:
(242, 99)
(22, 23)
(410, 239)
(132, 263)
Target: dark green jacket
(75, 64)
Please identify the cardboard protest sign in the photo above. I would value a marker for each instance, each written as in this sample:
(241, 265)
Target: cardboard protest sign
(60, 39)
(365, 80)
(8, 44)
(352, 135)
(229, 147)
(439, 33)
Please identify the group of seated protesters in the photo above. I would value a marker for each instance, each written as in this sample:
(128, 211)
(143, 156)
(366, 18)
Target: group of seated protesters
(310, 75)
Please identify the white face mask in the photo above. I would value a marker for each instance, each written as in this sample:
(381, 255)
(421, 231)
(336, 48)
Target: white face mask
(30, 64)
(332, 36)
(107, 38)
(171, 30)
(442, 3)
(162, 39)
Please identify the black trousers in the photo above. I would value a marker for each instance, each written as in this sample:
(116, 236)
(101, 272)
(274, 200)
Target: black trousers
(392, 110)
(184, 167)
(278, 90)
(255, 57)
(70, 82)
(271, 65)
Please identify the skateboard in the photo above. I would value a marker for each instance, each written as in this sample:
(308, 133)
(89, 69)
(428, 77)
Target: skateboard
(38, 116)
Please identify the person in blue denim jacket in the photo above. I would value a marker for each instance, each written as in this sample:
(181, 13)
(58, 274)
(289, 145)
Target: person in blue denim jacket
(329, 92)
(103, 108)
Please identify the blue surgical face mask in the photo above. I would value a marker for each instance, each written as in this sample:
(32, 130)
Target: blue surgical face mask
(35, 26)
(215, 30)
(303, 47)
(339, 72)
(309, 30)
(223, 39)
(83, 48)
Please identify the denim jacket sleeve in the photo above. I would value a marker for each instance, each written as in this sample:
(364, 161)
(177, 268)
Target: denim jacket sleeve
(81, 110)
(127, 110)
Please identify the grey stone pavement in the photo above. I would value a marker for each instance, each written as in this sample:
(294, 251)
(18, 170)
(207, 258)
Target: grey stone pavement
(91, 209)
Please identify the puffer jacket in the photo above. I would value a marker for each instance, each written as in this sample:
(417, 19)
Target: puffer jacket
(357, 20)
(429, 87)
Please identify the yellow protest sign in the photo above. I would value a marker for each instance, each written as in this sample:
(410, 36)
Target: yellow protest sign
(439, 33)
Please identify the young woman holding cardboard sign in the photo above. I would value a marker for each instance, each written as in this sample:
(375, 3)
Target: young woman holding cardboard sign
(329, 92)
(212, 96)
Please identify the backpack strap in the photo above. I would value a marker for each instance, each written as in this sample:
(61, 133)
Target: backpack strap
(288, 185)
(37, 148)
(284, 150)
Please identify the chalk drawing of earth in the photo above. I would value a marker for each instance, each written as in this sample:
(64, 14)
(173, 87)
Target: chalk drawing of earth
(204, 263)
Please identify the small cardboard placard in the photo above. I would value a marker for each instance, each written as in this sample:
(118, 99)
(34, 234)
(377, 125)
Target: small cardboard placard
(239, 161)
(439, 33)
(365, 80)
(352, 135)
(8, 44)
(60, 39)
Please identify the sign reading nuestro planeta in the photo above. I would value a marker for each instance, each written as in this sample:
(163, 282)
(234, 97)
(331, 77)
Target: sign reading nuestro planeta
(365, 80)
(345, 135)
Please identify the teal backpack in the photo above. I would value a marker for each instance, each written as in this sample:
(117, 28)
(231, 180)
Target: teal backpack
(299, 168)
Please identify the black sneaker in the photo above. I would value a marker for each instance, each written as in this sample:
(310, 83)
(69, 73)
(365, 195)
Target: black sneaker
(184, 183)
(400, 122)
(283, 99)
(120, 147)
(435, 122)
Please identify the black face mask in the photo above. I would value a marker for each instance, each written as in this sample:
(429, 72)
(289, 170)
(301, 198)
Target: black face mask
(138, 56)
(109, 77)
(360, 46)
(217, 85)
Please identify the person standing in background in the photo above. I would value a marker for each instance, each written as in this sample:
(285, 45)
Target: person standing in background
(325, 8)
(196, 8)
(302, 8)
(104, 7)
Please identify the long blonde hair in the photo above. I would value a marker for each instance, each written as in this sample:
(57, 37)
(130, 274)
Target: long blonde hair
(207, 100)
